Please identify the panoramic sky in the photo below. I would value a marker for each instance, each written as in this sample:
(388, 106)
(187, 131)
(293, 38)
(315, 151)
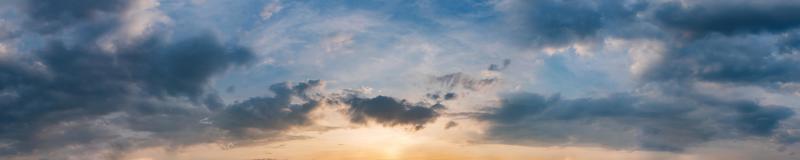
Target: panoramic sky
(399, 79)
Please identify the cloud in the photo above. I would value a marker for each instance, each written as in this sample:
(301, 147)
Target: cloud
(278, 113)
(631, 121)
(336, 42)
(153, 91)
(461, 80)
(743, 60)
(389, 111)
(78, 84)
(54, 15)
(681, 45)
(557, 23)
(450, 124)
(442, 96)
(104, 78)
(450, 96)
(495, 67)
(270, 9)
(730, 17)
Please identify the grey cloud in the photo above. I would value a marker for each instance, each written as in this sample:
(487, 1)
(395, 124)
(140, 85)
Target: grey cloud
(72, 92)
(729, 17)
(631, 121)
(53, 15)
(275, 113)
(434, 96)
(389, 111)
(80, 84)
(462, 80)
(450, 124)
(789, 44)
(738, 43)
(230, 89)
(560, 22)
(49, 10)
(442, 96)
(747, 60)
(450, 96)
(495, 67)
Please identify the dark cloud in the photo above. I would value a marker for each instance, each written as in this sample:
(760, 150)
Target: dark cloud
(729, 17)
(735, 43)
(442, 96)
(79, 84)
(630, 121)
(52, 10)
(153, 91)
(53, 15)
(737, 60)
(450, 96)
(495, 67)
(276, 113)
(560, 22)
(434, 96)
(389, 111)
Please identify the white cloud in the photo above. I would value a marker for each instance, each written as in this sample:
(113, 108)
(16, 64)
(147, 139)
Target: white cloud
(270, 9)
(137, 21)
(337, 42)
(4, 51)
(644, 53)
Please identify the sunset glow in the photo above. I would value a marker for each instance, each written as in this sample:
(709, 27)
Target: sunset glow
(399, 79)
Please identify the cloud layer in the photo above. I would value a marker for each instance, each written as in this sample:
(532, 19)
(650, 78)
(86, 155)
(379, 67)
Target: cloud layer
(103, 98)
(97, 79)
(631, 121)
(735, 44)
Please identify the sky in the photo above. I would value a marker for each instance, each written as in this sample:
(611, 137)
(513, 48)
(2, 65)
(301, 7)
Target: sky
(399, 79)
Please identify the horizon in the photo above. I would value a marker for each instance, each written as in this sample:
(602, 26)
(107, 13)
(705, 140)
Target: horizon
(394, 80)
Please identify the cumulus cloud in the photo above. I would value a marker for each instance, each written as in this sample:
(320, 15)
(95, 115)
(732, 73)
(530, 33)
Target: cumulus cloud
(103, 77)
(268, 116)
(80, 83)
(737, 43)
(389, 111)
(153, 91)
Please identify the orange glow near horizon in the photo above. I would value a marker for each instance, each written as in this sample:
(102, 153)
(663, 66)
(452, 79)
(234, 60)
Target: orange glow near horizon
(382, 143)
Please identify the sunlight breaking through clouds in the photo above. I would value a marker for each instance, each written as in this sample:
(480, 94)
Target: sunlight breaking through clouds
(391, 79)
